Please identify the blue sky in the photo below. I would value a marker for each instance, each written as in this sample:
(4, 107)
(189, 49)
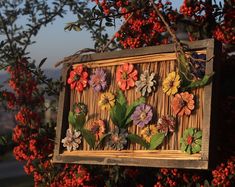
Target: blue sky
(55, 43)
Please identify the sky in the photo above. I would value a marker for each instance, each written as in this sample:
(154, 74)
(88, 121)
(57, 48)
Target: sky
(54, 43)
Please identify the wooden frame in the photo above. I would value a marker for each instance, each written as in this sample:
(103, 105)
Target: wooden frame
(157, 158)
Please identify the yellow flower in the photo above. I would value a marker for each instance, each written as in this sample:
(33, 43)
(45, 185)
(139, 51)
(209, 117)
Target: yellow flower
(171, 83)
(106, 101)
(148, 132)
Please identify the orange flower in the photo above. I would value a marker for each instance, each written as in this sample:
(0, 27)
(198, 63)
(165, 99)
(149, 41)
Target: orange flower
(183, 103)
(78, 78)
(126, 76)
(98, 128)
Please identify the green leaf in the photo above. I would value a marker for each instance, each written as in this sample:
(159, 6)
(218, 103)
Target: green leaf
(198, 134)
(88, 136)
(102, 140)
(3, 140)
(156, 140)
(72, 118)
(42, 62)
(196, 148)
(121, 98)
(118, 114)
(77, 121)
(199, 83)
(81, 120)
(183, 147)
(131, 109)
(206, 183)
(137, 139)
(190, 131)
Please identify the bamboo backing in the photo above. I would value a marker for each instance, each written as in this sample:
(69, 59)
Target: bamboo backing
(160, 102)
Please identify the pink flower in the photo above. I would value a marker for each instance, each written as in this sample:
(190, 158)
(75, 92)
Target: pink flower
(126, 76)
(78, 78)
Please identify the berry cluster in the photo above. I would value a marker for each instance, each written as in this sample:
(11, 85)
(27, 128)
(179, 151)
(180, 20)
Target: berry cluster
(224, 174)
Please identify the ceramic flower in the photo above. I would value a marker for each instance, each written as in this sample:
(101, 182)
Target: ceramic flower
(72, 140)
(166, 124)
(118, 139)
(146, 84)
(199, 67)
(98, 80)
(126, 75)
(142, 115)
(183, 103)
(191, 141)
(80, 108)
(78, 78)
(171, 83)
(107, 101)
(98, 128)
(148, 132)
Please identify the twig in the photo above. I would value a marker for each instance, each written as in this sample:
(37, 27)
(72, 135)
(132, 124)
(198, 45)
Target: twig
(111, 40)
(173, 35)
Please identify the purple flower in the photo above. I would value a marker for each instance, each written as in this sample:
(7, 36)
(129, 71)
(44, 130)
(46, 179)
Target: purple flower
(142, 115)
(98, 80)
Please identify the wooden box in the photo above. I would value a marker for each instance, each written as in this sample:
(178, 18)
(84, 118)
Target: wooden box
(161, 60)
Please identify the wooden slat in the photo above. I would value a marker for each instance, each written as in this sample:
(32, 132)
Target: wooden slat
(134, 60)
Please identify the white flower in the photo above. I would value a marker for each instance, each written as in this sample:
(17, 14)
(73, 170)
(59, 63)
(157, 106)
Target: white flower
(72, 139)
(146, 84)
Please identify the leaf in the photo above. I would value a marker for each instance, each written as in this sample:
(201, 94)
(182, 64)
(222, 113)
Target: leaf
(3, 140)
(137, 139)
(156, 140)
(89, 137)
(196, 148)
(200, 83)
(42, 62)
(121, 98)
(184, 70)
(131, 109)
(117, 114)
(81, 120)
(72, 119)
(102, 140)
(77, 121)
(206, 183)
(198, 134)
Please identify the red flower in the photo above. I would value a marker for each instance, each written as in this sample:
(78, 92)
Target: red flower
(78, 78)
(126, 76)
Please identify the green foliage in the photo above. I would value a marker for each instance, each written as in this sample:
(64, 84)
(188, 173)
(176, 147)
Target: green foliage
(88, 136)
(120, 114)
(199, 83)
(137, 139)
(78, 122)
(156, 140)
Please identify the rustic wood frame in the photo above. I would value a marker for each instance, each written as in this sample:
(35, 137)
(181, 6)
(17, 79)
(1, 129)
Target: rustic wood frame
(168, 158)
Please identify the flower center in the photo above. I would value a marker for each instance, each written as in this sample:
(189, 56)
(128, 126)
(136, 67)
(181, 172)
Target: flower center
(76, 77)
(183, 103)
(148, 132)
(189, 140)
(105, 101)
(77, 110)
(171, 84)
(124, 76)
(95, 129)
(143, 115)
(97, 80)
